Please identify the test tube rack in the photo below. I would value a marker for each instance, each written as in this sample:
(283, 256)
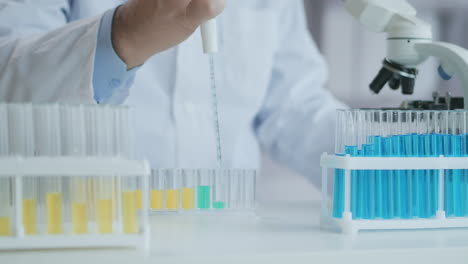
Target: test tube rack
(350, 225)
(397, 170)
(55, 220)
(203, 190)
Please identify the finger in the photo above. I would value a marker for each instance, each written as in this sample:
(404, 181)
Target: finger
(202, 10)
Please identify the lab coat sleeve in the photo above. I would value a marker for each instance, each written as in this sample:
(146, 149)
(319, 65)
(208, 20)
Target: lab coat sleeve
(112, 80)
(297, 121)
(45, 67)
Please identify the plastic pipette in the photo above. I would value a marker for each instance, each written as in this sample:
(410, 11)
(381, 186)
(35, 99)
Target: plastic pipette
(209, 31)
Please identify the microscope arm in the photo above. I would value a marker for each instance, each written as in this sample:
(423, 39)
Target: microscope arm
(454, 61)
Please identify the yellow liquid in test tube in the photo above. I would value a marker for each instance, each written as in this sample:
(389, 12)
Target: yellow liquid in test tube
(129, 210)
(104, 216)
(157, 199)
(188, 198)
(5, 227)
(139, 199)
(172, 199)
(79, 218)
(29, 217)
(54, 213)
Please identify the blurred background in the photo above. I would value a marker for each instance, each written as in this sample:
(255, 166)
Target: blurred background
(354, 57)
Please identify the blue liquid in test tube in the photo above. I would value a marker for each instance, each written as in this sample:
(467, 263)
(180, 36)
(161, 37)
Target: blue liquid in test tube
(338, 193)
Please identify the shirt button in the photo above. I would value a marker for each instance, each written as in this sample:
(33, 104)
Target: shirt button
(115, 83)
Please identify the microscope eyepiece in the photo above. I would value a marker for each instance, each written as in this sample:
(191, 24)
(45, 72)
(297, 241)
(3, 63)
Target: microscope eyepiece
(395, 75)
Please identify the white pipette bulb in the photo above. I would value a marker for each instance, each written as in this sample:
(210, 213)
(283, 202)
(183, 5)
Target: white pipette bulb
(209, 31)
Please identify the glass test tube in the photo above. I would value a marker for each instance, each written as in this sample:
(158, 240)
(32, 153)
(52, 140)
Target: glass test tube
(79, 205)
(48, 143)
(220, 188)
(157, 190)
(189, 178)
(250, 188)
(104, 208)
(30, 205)
(6, 210)
(171, 180)
(54, 205)
(129, 205)
(235, 189)
(4, 142)
(72, 121)
(5, 187)
(204, 188)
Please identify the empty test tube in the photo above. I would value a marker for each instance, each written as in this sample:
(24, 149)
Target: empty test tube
(250, 188)
(157, 190)
(4, 141)
(235, 189)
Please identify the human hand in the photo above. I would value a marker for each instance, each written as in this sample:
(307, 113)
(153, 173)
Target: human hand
(142, 28)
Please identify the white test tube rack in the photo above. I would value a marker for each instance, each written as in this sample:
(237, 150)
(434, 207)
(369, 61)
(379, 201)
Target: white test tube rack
(348, 225)
(18, 167)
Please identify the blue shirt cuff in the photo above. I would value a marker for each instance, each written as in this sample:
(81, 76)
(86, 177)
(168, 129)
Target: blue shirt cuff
(111, 79)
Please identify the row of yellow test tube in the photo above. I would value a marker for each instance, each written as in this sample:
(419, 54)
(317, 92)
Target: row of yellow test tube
(84, 211)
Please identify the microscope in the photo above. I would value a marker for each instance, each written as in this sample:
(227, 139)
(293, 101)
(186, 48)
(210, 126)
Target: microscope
(409, 44)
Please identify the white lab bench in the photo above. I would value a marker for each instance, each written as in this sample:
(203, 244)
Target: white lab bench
(283, 233)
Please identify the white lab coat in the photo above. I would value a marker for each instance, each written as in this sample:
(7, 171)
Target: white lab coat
(271, 80)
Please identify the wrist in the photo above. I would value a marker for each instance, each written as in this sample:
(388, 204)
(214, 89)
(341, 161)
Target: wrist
(125, 45)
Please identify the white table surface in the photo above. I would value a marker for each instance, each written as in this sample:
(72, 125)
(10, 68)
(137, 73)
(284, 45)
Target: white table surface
(283, 233)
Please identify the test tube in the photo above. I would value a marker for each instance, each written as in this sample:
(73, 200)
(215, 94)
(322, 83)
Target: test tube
(235, 193)
(79, 205)
(6, 204)
(72, 121)
(157, 190)
(172, 189)
(48, 143)
(189, 178)
(250, 188)
(220, 189)
(4, 144)
(129, 205)
(30, 205)
(104, 208)
(21, 130)
(6, 219)
(204, 188)
(54, 205)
